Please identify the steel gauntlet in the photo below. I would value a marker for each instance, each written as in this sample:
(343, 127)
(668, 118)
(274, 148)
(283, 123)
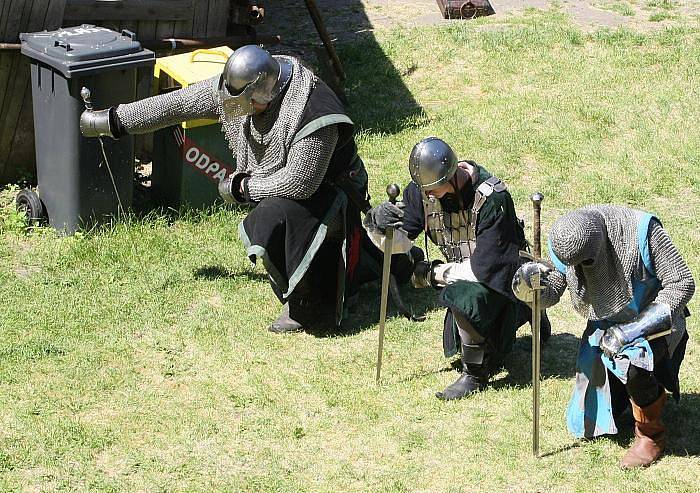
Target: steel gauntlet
(98, 123)
(424, 274)
(230, 188)
(654, 319)
(529, 277)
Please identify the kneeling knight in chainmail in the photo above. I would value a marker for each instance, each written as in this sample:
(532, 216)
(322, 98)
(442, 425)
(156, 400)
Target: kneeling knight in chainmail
(627, 278)
(296, 163)
(470, 215)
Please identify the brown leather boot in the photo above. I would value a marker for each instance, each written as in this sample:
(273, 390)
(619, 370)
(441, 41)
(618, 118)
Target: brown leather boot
(650, 434)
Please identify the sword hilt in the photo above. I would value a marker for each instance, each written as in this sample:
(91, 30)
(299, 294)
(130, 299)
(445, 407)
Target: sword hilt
(537, 199)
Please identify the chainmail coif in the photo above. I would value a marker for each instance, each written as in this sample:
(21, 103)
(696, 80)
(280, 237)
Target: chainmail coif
(677, 284)
(578, 237)
(599, 246)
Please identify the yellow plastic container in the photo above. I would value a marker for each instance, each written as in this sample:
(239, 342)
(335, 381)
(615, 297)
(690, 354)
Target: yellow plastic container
(191, 159)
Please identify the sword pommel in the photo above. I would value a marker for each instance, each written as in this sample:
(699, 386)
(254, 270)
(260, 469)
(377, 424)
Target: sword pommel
(393, 191)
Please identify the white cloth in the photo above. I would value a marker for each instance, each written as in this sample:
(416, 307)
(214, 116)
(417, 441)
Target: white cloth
(452, 272)
(402, 243)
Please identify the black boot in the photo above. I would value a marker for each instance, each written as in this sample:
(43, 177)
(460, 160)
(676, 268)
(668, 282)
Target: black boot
(285, 323)
(474, 377)
(298, 315)
(298, 311)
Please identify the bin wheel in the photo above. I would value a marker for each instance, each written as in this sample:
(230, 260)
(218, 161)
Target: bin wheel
(29, 203)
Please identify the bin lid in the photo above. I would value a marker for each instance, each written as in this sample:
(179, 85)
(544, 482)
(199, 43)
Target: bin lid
(85, 49)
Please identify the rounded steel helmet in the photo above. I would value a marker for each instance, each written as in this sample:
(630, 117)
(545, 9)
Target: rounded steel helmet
(252, 74)
(432, 163)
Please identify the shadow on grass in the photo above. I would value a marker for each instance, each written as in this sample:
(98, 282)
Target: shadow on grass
(563, 448)
(558, 360)
(518, 362)
(214, 272)
(364, 313)
(378, 99)
(370, 73)
(682, 420)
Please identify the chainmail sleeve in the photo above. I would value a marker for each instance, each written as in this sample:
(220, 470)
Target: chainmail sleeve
(150, 114)
(306, 166)
(554, 289)
(677, 284)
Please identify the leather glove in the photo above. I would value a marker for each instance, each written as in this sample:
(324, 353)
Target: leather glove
(100, 123)
(530, 277)
(385, 215)
(424, 274)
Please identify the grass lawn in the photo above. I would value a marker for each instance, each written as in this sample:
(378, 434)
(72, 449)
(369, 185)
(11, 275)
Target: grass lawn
(135, 358)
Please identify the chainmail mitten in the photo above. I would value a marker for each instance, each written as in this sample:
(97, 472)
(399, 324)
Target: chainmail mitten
(555, 285)
(192, 102)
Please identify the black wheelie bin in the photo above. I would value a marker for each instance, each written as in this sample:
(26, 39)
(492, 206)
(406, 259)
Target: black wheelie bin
(78, 186)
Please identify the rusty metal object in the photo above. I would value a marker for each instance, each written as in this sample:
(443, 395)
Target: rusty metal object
(465, 9)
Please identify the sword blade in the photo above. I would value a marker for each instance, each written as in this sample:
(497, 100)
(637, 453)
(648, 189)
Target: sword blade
(386, 270)
(536, 321)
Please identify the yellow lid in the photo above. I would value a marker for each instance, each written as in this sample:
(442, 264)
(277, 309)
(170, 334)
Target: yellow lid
(188, 68)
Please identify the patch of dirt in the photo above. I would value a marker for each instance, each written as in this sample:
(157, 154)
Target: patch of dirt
(345, 19)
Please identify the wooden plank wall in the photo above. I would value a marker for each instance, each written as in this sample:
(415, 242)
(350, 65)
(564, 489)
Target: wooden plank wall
(154, 19)
(16, 122)
(149, 19)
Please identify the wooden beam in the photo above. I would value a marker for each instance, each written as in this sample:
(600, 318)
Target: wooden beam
(217, 18)
(128, 10)
(199, 18)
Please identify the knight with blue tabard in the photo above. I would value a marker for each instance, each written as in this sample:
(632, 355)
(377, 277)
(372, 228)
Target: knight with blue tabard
(627, 278)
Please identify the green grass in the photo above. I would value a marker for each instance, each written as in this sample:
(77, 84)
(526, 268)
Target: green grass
(134, 358)
(619, 7)
(661, 16)
(662, 4)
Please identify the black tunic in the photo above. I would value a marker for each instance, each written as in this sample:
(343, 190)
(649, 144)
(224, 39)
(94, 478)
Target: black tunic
(291, 236)
(489, 304)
